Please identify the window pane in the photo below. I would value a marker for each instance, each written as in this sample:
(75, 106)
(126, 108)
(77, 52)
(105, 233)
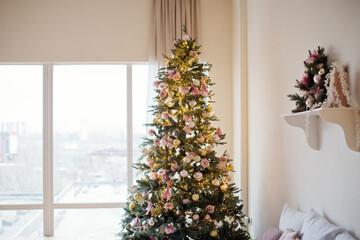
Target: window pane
(21, 223)
(90, 160)
(21, 134)
(88, 222)
(140, 108)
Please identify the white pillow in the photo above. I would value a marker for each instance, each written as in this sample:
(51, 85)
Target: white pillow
(317, 227)
(291, 219)
(344, 236)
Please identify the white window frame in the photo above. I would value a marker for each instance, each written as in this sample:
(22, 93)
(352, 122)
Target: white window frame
(48, 206)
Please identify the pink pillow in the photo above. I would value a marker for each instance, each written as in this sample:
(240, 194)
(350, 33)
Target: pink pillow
(270, 234)
(290, 235)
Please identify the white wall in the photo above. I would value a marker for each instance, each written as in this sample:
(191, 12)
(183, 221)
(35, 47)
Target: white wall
(282, 167)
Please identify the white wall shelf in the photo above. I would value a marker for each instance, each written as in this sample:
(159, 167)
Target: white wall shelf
(345, 117)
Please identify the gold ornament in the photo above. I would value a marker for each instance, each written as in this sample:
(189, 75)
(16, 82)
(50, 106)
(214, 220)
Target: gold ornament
(209, 108)
(132, 206)
(176, 142)
(207, 217)
(230, 167)
(203, 152)
(224, 187)
(137, 196)
(214, 233)
(197, 158)
(195, 197)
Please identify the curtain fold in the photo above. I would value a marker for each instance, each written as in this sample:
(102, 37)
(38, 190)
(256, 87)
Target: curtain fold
(169, 18)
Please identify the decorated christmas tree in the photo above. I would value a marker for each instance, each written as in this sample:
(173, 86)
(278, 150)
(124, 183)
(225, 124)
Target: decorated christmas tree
(312, 86)
(186, 190)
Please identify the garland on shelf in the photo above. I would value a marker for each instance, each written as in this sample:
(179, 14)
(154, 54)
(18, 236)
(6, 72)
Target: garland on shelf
(333, 96)
(320, 87)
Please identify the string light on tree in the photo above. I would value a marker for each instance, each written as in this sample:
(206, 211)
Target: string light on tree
(185, 192)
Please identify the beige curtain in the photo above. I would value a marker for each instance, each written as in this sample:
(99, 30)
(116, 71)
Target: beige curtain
(169, 17)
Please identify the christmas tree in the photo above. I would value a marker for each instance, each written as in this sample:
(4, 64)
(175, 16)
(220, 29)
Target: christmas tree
(312, 86)
(185, 192)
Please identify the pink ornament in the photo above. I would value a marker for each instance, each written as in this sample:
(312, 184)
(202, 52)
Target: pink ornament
(163, 86)
(186, 37)
(169, 229)
(156, 84)
(198, 176)
(192, 155)
(169, 206)
(161, 172)
(165, 115)
(228, 178)
(204, 163)
(187, 118)
(210, 209)
(193, 53)
(151, 132)
(163, 94)
(305, 80)
(184, 90)
(174, 167)
(184, 173)
(157, 142)
(187, 129)
(144, 151)
(153, 176)
(164, 141)
(196, 217)
(186, 201)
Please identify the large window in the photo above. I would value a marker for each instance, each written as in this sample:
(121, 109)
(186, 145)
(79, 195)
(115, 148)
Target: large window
(68, 138)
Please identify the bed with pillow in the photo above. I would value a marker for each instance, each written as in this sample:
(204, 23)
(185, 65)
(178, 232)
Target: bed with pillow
(296, 225)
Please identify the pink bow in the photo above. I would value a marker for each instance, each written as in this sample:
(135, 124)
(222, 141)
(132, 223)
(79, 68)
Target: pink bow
(195, 90)
(204, 90)
(167, 193)
(148, 209)
(218, 131)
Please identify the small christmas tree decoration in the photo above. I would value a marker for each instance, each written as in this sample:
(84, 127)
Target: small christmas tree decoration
(312, 89)
(185, 192)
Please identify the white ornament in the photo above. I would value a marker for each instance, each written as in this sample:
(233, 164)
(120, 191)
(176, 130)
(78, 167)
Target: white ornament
(192, 103)
(196, 82)
(191, 124)
(317, 78)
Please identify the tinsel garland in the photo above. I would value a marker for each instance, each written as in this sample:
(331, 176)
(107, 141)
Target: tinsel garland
(333, 97)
